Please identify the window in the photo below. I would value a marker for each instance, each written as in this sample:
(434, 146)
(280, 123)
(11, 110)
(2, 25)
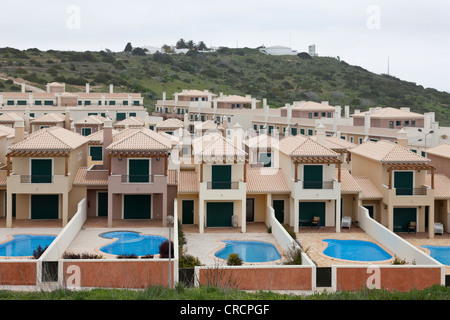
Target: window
(88, 103)
(391, 124)
(316, 114)
(38, 103)
(132, 114)
(310, 132)
(86, 131)
(407, 123)
(41, 170)
(312, 176)
(136, 103)
(309, 115)
(221, 177)
(48, 102)
(398, 123)
(112, 103)
(266, 159)
(125, 102)
(10, 102)
(138, 170)
(96, 153)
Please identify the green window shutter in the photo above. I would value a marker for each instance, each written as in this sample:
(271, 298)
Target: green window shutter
(125, 102)
(132, 114)
(403, 182)
(121, 116)
(96, 153)
(10, 102)
(265, 158)
(139, 170)
(312, 176)
(221, 177)
(41, 170)
(137, 206)
(86, 131)
(294, 131)
(48, 102)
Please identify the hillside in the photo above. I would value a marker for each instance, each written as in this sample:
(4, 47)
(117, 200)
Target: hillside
(280, 79)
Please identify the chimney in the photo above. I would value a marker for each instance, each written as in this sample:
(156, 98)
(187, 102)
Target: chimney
(176, 98)
(289, 112)
(164, 97)
(107, 139)
(320, 132)
(27, 119)
(347, 111)
(402, 139)
(67, 119)
(103, 100)
(23, 87)
(111, 88)
(87, 87)
(253, 103)
(19, 130)
(366, 123)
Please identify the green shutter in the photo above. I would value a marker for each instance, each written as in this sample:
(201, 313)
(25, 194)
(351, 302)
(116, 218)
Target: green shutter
(312, 177)
(221, 177)
(266, 158)
(96, 153)
(218, 214)
(188, 211)
(137, 206)
(44, 206)
(120, 116)
(403, 182)
(102, 204)
(139, 170)
(41, 170)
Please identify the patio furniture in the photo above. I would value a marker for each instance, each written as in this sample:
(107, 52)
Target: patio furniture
(346, 222)
(412, 226)
(315, 222)
(438, 228)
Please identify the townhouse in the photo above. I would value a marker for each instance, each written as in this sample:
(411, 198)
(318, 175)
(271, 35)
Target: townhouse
(310, 170)
(40, 173)
(399, 175)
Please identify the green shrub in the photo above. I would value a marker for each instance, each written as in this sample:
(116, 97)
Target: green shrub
(234, 260)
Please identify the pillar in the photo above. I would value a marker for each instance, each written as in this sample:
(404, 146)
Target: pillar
(65, 208)
(9, 206)
(110, 209)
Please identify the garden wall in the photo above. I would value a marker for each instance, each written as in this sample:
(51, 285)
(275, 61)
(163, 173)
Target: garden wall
(18, 273)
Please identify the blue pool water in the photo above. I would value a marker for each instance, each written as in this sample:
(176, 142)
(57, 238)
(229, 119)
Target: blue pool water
(355, 250)
(129, 243)
(23, 245)
(440, 253)
(249, 251)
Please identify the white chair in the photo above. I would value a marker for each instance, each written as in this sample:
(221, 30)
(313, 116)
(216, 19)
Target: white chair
(438, 228)
(346, 222)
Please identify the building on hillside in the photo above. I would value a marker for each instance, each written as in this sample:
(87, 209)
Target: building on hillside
(400, 177)
(40, 173)
(278, 51)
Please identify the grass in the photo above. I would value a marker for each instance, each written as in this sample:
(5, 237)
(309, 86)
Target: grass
(212, 293)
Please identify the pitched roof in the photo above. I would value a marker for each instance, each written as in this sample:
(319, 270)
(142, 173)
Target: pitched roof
(215, 145)
(130, 121)
(235, 98)
(97, 137)
(441, 150)
(10, 117)
(50, 139)
(92, 119)
(348, 182)
(369, 191)
(262, 141)
(389, 113)
(170, 123)
(208, 125)
(145, 140)
(310, 105)
(266, 180)
(336, 143)
(387, 152)
(82, 178)
(50, 118)
(441, 185)
(301, 146)
(188, 182)
(195, 93)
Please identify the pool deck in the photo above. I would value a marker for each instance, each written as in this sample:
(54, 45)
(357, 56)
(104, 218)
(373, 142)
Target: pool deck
(203, 245)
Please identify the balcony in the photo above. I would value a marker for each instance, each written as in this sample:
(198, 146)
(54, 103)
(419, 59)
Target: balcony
(422, 191)
(222, 185)
(317, 184)
(137, 179)
(36, 179)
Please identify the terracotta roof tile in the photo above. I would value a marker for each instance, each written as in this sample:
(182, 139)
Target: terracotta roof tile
(387, 152)
(82, 178)
(348, 183)
(141, 140)
(442, 150)
(215, 145)
(266, 180)
(50, 118)
(369, 191)
(390, 113)
(301, 146)
(188, 182)
(170, 123)
(50, 139)
(441, 185)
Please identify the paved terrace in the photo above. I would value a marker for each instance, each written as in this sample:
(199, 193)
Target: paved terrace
(203, 245)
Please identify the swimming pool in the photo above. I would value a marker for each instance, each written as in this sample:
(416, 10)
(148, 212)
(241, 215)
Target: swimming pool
(440, 253)
(23, 245)
(132, 243)
(249, 251)
(355, 250)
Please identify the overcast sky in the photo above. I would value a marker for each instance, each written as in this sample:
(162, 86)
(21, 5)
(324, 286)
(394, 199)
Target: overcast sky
(414, 36)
